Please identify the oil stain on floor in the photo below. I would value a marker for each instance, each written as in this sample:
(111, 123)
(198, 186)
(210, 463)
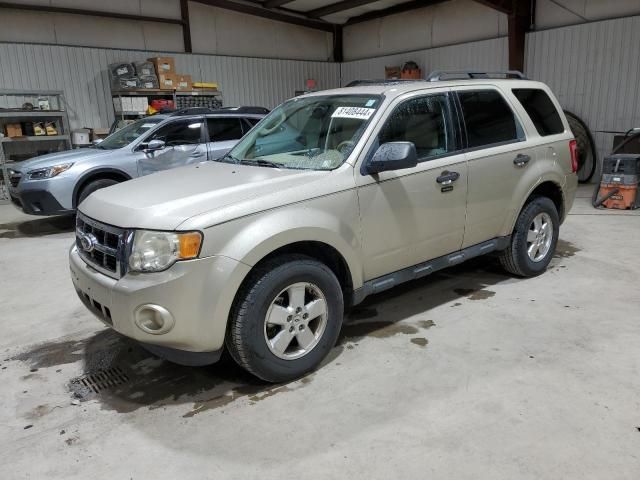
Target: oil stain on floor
(474, 294)
(565, 249)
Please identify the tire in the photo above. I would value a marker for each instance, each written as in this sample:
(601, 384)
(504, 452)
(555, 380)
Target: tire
(516, 259)
(586, 147)
(269, 294)
(94, 185)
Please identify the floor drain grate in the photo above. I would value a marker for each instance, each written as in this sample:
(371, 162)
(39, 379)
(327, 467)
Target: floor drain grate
(100, 380)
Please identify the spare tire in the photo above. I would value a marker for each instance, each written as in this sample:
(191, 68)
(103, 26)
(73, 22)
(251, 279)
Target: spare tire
(586, 147)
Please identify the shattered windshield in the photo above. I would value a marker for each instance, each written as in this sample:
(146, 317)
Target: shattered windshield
(309, 133)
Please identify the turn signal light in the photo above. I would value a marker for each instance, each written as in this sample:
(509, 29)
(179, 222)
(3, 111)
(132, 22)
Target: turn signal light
(189, 244)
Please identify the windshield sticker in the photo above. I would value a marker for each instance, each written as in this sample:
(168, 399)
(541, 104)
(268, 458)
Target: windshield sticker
(353, 112)
(370, 103)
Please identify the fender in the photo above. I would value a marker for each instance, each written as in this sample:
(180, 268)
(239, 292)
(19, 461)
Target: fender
(250, 239)
(93, 172)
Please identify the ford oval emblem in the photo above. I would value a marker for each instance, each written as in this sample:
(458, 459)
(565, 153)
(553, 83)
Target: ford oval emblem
(88, 242)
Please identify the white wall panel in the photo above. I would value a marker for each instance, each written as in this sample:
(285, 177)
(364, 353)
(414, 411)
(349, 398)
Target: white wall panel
(595, 72)
(82, 74)
(486, 54)
(453, 22)
(556, 13)
(224, 32)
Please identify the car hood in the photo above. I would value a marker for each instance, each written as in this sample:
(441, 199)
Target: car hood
(222, 191)
(56, 158)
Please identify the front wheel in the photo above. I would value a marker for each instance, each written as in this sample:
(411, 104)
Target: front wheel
(286, 318)
(534, 239)
(94, 185)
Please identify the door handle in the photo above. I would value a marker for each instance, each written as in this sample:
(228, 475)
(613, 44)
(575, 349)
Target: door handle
(447, 178)
(521, 160)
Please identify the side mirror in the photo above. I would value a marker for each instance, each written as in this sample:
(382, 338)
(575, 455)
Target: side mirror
(393, 156)
(154, 145)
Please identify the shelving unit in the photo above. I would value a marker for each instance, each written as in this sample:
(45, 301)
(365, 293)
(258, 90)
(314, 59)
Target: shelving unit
(181, 99)
(12, 111)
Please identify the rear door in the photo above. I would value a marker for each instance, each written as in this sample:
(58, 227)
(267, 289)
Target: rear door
(224, 133)
(498, 156)
(184, 144)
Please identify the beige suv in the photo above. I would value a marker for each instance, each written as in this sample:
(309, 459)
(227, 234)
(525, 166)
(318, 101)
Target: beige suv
(333, 196)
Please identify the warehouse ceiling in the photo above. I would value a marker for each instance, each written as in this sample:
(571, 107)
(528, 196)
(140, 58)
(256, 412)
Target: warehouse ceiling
(322, 12)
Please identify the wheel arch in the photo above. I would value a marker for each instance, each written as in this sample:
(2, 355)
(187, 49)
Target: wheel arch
(97, 174)
(549, 188)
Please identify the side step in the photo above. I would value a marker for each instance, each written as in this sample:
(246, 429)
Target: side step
(426, 268)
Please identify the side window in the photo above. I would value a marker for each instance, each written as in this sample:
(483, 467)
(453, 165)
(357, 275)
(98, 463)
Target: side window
(488, 118)
(425, 121)
(183, 132)
(540, 109)
(222, 129)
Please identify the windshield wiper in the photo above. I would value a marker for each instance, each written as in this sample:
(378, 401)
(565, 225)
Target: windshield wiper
(262, 163)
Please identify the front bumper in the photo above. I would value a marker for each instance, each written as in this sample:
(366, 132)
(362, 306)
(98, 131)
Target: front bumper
(197, 293)
(37, 202)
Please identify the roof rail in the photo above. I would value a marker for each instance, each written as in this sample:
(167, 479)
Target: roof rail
(396, 81)
(192, 111)
(471, 74)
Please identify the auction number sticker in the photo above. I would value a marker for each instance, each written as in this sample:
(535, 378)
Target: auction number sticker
(360, 113)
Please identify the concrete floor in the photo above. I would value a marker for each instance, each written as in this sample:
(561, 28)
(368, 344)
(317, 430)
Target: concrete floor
(469, 374)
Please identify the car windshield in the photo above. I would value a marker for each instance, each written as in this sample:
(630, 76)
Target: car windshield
(128, 134)
(310, 133)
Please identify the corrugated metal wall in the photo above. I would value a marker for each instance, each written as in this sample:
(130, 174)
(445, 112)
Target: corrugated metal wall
(595, 72)
(486, 54)
(82, 74)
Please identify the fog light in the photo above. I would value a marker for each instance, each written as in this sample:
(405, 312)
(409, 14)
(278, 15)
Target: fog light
(153, 319)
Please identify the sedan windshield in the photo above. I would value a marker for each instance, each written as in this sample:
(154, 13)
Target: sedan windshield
(310, 133)
(128, 134)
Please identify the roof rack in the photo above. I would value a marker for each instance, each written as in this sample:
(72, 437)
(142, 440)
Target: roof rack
(244, 109)
(471, 74)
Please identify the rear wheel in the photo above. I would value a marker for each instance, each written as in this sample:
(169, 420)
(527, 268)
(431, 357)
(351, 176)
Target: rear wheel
(94, 185)
(534, 239)
(286, 318)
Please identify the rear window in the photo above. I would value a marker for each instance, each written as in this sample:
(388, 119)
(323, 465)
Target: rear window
(488, 118)
(540, 108)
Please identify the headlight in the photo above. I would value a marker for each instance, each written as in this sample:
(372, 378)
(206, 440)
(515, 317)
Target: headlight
(157, 251)
(49, 172)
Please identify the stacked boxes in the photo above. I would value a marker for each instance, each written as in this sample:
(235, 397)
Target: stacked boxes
(132, 76)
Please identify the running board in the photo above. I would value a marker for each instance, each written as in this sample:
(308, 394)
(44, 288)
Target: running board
(426, 268)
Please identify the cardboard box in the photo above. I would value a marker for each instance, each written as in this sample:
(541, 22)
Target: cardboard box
(163, 65)
(392, 73)
(185, 83)
(168, 81)
(13, 130)
(99, 133)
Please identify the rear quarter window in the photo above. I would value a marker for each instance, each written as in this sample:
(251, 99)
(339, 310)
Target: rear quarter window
(540, 109)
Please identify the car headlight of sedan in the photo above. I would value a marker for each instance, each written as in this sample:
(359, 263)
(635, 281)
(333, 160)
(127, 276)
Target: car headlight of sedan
(156, 251)
(48, 172)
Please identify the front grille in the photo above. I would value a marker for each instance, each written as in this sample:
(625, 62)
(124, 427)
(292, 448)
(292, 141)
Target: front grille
(14, 178)
(107, 245)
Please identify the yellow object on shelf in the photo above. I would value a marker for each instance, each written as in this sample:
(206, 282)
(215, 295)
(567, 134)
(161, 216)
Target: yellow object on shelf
(212, 85)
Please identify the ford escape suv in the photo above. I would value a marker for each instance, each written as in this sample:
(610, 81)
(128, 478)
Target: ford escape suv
(56, 183)
(335, 195)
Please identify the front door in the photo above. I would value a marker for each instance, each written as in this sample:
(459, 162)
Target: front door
(498, 156)
(413, 215)
(224, 133)
(184, 144)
